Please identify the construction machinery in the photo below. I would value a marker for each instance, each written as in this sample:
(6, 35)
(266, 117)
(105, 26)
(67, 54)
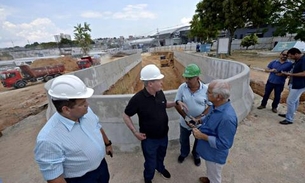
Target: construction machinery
(20, 76)
(86, 62)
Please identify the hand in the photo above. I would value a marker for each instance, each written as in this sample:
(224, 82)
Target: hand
(196, 133)
(140, 136)
(109, 151)
(192, 122)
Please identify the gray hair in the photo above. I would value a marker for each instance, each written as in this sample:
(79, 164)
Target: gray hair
(221, 87)
(145, 83)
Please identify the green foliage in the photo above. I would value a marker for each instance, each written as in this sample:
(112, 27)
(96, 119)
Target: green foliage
(82, 37)
(289, 17)
(212, 16)
(249, 40)
(202, 24)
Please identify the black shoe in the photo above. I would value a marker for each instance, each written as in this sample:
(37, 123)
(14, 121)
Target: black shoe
(261, 107)
(282, 115)
(274, 110)
(197, 161)
(285, 122)
(165, 174)
(147, 181)
(181, 159)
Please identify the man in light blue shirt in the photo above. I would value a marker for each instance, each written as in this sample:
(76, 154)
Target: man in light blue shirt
(192, 93)
(72, 145)
(216, 134)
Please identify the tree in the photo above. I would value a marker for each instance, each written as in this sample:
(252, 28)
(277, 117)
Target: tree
(229, 15)
(82, 37)
(249, 40)
(289, 17)
(201, 25)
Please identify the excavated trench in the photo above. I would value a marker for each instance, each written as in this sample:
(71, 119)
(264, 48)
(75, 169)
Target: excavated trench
(131, 83)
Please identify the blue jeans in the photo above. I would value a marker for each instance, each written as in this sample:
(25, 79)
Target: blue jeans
(154, 151)
(185, 143)
(293, 102)
(278, 88)
(99, 175)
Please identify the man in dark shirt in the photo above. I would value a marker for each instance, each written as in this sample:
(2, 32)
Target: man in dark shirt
(150, 105)
(296, 85)
(276, 81)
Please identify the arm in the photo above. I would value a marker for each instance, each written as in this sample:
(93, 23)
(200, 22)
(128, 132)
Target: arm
(170, 104)
(270, 70)
(130, 125)
(299, 74)
(59, 179)
(109, 150)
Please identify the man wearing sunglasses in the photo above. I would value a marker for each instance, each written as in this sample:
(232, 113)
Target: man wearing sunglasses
(276, 80)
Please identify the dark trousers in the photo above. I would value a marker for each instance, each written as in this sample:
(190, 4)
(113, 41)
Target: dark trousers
(99, 175)
(185, 143)
(154, 151)
(278, 88)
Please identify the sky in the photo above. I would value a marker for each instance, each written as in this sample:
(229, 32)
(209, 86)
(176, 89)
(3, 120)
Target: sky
(26, 22)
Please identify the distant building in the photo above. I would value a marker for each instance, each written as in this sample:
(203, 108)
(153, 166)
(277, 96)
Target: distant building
(175, 36)
(263, 31)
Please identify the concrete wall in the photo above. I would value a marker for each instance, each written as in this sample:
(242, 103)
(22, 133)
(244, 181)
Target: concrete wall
(109, 108)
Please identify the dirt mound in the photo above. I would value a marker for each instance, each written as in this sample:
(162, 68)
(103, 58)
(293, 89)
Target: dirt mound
(67, 61)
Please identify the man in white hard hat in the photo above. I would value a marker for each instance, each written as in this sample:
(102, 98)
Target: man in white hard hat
(150, 105)
(72, 145)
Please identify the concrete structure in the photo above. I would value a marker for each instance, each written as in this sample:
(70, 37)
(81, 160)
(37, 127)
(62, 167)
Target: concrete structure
(109, 108)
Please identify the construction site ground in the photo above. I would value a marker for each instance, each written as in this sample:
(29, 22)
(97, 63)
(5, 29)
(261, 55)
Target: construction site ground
(264, 151)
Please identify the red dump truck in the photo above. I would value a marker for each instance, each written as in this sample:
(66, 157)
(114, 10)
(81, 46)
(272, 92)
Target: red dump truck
(86, 62)
(19, 77)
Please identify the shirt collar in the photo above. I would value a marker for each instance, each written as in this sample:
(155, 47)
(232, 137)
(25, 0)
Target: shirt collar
(200, 87)
(222, 107)
(67, 122)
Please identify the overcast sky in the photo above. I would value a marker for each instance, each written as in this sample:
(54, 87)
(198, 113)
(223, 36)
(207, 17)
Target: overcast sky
(30, 21)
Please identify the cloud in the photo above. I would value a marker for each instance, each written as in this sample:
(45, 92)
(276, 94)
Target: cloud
(38, 30)
(185, 21)
(130, 12)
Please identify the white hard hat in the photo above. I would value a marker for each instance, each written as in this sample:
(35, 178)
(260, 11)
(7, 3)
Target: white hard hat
(69, 87)
(151, 72)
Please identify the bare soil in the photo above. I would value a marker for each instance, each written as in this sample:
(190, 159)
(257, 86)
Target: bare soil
(263, 151)
(17, 104)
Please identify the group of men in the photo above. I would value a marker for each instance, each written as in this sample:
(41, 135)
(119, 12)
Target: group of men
(279, 70)
(72, 146)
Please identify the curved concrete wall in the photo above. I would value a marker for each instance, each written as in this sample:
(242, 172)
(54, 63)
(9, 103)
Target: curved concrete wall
(109, 108)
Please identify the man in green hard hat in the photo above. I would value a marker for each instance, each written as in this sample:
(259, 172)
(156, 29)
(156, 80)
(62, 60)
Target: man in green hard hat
(193, 93)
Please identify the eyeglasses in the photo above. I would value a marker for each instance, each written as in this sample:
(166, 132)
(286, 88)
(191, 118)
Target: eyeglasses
(285, 55)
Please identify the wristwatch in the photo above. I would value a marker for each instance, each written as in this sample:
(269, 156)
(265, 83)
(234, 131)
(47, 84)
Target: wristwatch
(109, 144)
(177, 102)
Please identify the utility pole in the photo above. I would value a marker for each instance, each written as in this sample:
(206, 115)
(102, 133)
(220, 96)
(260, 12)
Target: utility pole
(158, 37)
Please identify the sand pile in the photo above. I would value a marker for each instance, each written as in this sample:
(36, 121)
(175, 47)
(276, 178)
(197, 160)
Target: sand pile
(67, 61)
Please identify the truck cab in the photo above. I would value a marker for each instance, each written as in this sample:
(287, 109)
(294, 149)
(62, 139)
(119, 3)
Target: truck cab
(12, 78)
(84, 63)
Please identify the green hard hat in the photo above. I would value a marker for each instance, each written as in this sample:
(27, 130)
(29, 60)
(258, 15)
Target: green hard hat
(191, 70)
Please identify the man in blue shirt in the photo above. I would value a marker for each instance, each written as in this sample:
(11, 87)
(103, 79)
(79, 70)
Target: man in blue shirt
(276, 80)
(296, 85)
(193, 93)
(72, 145)
(216, 134)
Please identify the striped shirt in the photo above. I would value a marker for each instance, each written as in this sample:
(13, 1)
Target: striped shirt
(196, 101)
(69, 148)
